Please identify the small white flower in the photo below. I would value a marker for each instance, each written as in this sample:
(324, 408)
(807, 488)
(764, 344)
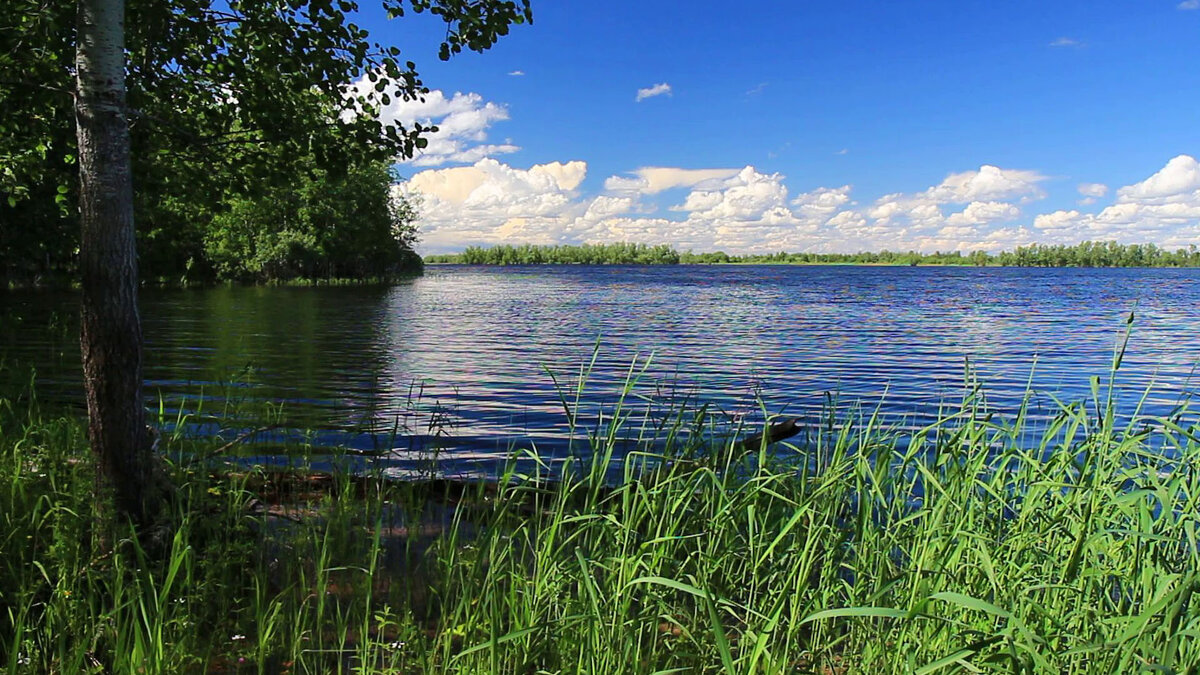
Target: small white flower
(23, 660)
(235, 638)
(396, 645)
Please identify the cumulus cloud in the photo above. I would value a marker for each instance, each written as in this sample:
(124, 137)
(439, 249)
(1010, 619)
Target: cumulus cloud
(988, 183)
(652, 91)
(932, 220)
(606, 206)
(1066, 42)
(462, 119)
(736, 209)
(983, 213)
(748, 196)
(1177, 181)
(654, 179)
(491, 202)
(822, 201)
(1189, 4)
(746, 210)
(987, 194)
(516, 73)
(743, 210)
(1164, 209)
(1091, 192)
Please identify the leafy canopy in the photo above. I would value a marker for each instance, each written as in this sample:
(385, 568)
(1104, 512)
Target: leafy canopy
(231, 102)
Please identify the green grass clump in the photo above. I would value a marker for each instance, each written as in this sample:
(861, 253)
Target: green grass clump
(979, 543)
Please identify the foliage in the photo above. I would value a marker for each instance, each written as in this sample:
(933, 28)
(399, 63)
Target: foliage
(586, 254)
(323, 227)
(1100, 254)
(38, 228)
(231, 102)
(988, 541)
(1085, 254)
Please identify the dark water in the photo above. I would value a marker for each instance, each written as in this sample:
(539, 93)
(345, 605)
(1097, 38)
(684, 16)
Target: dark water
(461, 361)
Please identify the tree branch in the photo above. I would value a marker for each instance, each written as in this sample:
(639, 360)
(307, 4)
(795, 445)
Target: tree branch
(38, 85)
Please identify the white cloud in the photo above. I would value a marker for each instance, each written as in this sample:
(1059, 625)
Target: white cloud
(490, 202)
(746, 210)
(1058, 220)
(1164, 209)
(843, 151)
(1189, 4)
(988, 183)
(748, 196)
(654, 179)
(987, 193)
(606, 206)
(757, 89)
(822, 201)
(462, 119)
(983, 213)
(1066, 42)
(516, 73)
(656, 90)
(488, 179)
(1178, 180)
(1091, 192)
(737, 209)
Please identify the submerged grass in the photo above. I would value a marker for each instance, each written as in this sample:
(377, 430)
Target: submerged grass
(979, 543)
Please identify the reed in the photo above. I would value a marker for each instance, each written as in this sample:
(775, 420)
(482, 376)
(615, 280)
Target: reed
(987, 541)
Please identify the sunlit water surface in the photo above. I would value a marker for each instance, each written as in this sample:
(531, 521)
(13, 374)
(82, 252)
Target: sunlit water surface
(465, 362)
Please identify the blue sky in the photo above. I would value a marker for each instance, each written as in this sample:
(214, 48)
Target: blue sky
(814, 126)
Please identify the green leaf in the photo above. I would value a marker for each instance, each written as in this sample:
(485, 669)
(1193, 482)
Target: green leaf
(970, 603)
(856, 612)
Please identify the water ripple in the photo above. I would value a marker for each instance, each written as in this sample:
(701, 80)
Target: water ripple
(463, 361)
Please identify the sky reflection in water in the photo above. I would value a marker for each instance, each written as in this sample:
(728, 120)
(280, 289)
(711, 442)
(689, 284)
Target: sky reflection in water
(462, 359)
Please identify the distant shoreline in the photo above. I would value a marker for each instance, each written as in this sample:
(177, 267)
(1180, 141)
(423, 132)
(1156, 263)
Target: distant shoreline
(807, 264)
(1084, 254)
(707, 264)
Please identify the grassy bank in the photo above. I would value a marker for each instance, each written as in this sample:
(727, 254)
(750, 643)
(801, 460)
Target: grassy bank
(982, 543)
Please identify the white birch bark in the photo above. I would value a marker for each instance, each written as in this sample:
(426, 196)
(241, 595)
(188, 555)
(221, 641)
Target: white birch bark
(111, 334)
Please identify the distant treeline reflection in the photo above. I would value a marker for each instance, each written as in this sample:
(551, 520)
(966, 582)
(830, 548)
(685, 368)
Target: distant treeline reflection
(1086, 254)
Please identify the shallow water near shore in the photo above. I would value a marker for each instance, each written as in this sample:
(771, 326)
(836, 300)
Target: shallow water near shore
(445, 373)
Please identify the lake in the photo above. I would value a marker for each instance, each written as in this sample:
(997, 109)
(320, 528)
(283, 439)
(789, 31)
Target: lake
(466, 361)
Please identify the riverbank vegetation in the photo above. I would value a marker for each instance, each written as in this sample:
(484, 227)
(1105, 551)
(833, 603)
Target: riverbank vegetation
(989, 541)
(250, 163)
(585, 254)
(1085, 254)
(319, 223)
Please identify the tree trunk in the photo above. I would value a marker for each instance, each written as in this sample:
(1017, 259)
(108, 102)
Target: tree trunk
(111, 331)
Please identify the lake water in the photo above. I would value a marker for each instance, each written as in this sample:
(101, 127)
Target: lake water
(467, 361)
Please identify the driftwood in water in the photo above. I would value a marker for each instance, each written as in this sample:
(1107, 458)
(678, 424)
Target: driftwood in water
(775, 433)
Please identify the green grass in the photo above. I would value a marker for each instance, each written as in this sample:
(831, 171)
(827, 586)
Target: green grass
(985, 542)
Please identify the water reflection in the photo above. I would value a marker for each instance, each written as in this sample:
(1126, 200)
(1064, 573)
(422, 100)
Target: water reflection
(464, 361)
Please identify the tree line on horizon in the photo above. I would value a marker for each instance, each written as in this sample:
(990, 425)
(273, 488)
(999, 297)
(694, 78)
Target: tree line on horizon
(563, 254)
(1085, 254)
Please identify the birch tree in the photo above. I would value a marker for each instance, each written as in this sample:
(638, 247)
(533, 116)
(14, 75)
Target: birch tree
(110, 328)
(296, 50)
